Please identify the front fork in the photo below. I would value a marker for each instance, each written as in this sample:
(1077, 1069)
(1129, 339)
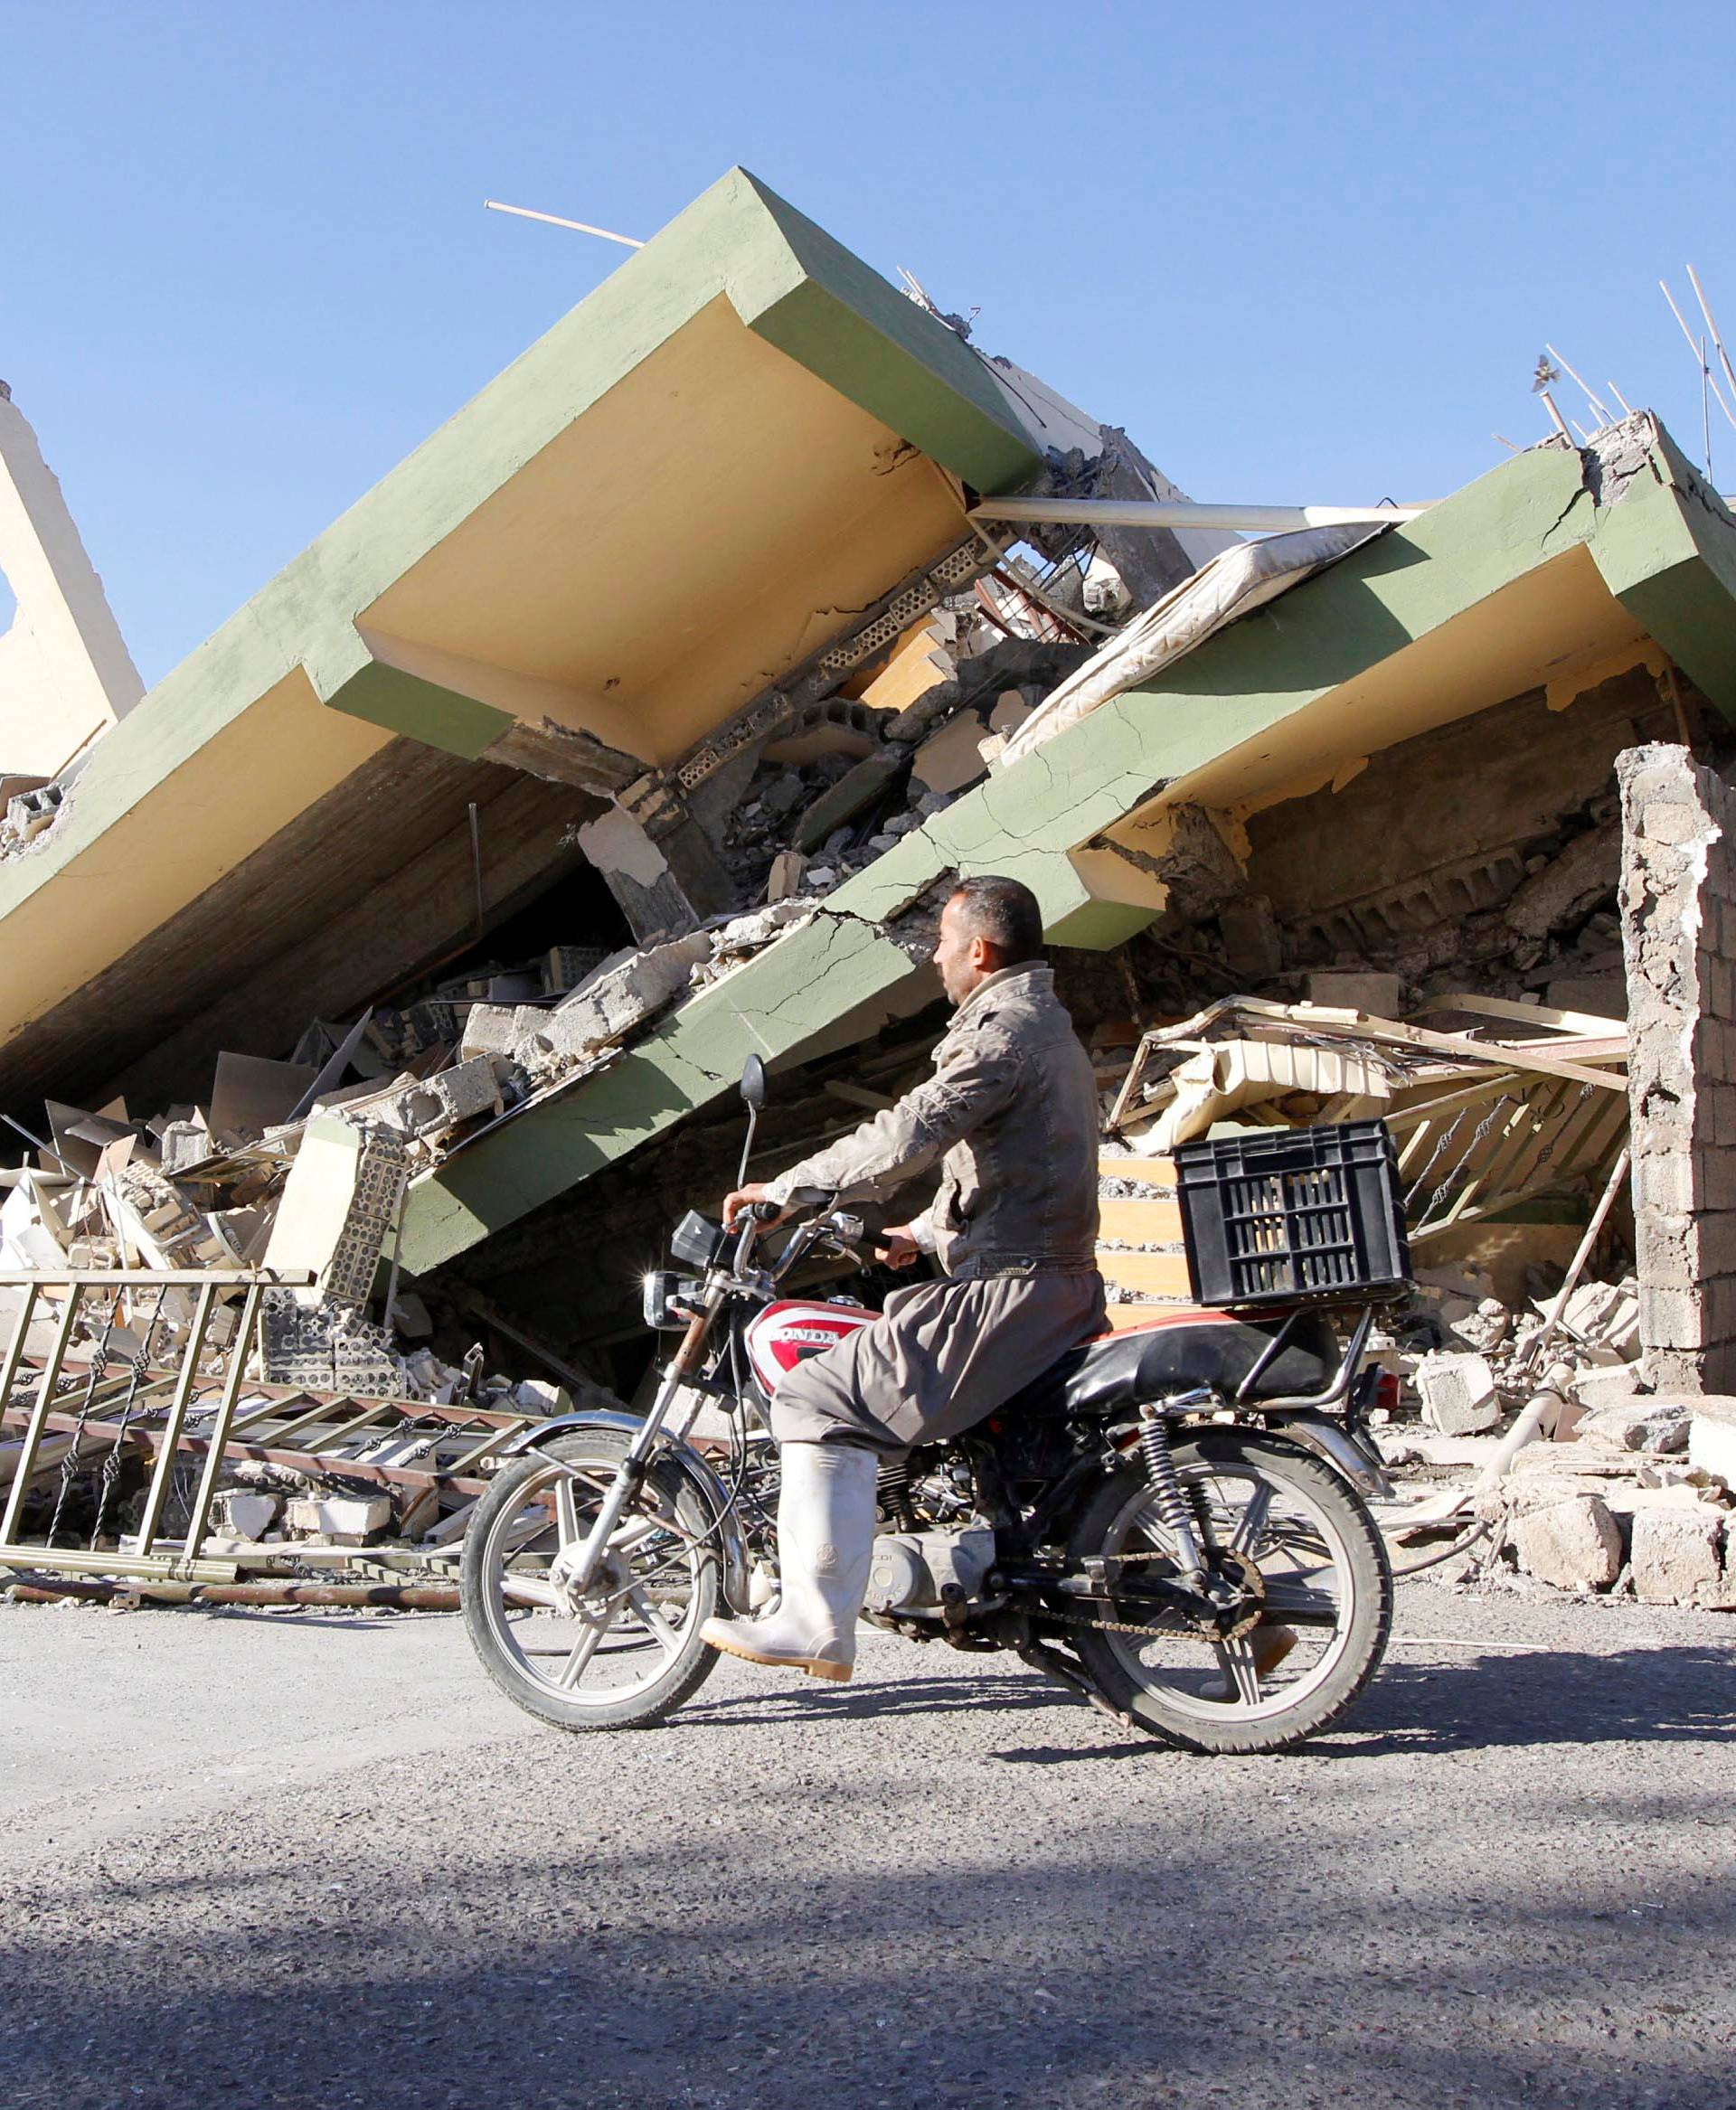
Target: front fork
(574, 1568)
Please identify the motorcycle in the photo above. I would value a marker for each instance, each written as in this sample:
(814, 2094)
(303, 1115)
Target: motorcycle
(1171, 1521)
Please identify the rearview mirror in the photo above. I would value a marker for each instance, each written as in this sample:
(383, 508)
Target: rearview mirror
(753, 1083)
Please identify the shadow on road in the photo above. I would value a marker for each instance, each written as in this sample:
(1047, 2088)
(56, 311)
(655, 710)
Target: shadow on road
(1650, 1695)
(852, 1938)
(1629, 1696)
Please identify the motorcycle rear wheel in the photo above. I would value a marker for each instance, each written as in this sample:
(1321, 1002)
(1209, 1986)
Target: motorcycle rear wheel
(631, 1653)
(1329, 1592)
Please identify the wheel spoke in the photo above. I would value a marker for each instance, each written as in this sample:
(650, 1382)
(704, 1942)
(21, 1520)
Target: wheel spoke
(1293, 1600)
(631, 1639)
(641, 1600)
(1236, 1659)
(566, 1513)
(1249, 1532)
(583, 1649)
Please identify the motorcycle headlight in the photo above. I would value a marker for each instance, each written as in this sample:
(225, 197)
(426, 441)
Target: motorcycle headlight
(665, 1294)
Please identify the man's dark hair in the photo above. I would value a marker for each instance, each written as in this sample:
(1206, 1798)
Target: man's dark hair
(1004, 912)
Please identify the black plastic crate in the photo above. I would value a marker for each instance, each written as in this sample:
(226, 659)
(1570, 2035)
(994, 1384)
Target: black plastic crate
(1281, 1216)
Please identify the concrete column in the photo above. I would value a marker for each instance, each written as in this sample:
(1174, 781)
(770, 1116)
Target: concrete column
(65, 672)
(664, 888)
(1678, 912)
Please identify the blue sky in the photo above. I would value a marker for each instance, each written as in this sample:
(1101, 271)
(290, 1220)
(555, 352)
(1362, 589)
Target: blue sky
(1302, 254)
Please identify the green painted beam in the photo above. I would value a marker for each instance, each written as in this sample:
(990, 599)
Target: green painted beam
(847, 324)
(438, 716)
(788, 280)
(770, 1007)
(1028, 820)
(1672, 562)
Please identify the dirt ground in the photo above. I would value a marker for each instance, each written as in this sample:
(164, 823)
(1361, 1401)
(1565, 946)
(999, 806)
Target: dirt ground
(299, 1859)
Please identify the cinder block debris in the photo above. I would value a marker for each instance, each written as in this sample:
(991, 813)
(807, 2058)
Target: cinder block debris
(346, 1520)
(1458, 1393)
(1677, 1556)
(1381, 995)
(608, 1006)
(338, 1204)
(444, 1099)
(565, 966)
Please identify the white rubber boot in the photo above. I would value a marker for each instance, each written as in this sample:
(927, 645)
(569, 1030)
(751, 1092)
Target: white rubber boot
(825, 1542)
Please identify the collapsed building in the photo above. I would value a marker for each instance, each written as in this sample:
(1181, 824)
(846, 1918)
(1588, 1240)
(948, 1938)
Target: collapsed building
(408, 939)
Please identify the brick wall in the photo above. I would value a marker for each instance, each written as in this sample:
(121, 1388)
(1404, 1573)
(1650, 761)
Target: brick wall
(1678, 914)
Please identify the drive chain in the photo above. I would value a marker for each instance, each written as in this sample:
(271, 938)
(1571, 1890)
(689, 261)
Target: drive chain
(1125, 1626)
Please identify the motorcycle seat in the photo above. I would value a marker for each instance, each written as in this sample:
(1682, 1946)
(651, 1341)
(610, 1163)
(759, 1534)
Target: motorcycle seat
(1176, 1352)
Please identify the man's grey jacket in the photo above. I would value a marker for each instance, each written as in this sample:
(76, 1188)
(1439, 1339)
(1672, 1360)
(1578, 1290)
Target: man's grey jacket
(1011, 1115)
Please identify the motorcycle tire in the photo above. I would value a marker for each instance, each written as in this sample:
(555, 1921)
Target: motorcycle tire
(497, 1626)
(1179, 1703)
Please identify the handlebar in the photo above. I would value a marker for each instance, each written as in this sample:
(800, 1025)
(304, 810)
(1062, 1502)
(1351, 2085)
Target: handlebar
(844, 1231)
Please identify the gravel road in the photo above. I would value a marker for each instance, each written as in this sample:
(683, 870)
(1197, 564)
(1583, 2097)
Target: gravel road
(294, 1859)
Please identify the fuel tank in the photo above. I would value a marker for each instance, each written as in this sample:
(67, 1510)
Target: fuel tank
(792, 1330)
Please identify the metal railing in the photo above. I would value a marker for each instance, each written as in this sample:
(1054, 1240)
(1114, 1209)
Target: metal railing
(75, 1406)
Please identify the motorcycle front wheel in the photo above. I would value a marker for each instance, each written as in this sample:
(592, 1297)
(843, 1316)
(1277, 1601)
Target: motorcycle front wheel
(1327, 1604)
(626, 1653)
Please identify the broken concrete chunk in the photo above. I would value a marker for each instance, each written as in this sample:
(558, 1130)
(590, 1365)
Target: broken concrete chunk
(1677, 1555)
(349, 1519)
(747, 934)
(1458, 1392)
(537, 1396)
(489, 1029)
(182, 1144)
(1597, 1386)
(1711, 1436)
(611, 1004)
(950, 758)
(873, 775)
(1575, 1544)
(446, 1099)
(238, 1514)
(1604, 1315)
(1485, 1326)
(1379, 995)
(1639, 1425)
(1567, 885)
(786, 870)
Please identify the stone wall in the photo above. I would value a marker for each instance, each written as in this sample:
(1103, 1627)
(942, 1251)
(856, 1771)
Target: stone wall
(1678, 913)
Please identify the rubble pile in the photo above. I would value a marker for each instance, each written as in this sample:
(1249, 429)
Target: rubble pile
(1521, 1411)
(303, 1163)
(31, 808)
(1541, 1424)
(845, 783)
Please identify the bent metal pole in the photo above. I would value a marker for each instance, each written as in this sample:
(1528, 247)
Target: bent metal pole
(1163, 513)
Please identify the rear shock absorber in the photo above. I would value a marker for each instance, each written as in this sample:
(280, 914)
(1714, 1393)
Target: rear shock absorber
(1168, 1495)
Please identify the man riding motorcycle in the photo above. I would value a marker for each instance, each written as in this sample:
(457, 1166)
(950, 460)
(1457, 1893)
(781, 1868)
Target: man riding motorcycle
(1011, 1114)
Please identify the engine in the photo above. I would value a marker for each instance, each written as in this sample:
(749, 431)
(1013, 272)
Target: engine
(913, 1571)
